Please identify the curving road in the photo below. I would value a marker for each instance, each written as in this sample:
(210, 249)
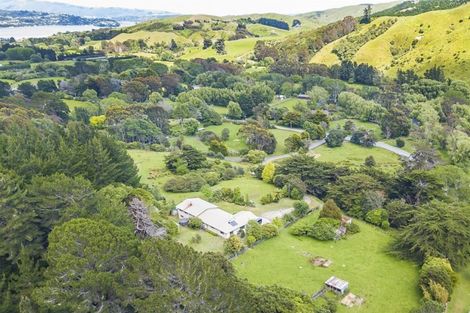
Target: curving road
(317, 143)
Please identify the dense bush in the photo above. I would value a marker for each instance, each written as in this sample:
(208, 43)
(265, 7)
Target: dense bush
(324, 229)
(254, 156)
(195, 223)
(331, 210)
(335, 138)
(377, 217)
(187, 183)
(437, 279)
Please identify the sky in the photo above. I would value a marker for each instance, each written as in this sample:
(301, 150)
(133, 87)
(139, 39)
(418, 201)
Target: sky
(223, 7)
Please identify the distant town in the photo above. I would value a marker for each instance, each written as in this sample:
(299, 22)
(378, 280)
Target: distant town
(34, 18)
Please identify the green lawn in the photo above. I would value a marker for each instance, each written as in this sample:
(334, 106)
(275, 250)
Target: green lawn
(288, 103)
(389, 285)
(209, 242)
(235, 143)
(354, 155)
(359, 124)
(152, 171)
(460, 302)
(73, 104)
(35, 81)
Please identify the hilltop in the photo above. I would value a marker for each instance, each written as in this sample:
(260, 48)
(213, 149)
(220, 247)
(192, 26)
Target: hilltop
(336, 14)
(419, 42)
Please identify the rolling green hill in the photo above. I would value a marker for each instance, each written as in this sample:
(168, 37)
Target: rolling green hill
(333, 15)
(419, 42)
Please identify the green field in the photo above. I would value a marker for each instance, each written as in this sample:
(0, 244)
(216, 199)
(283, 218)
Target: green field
(152, 171)
(234, 49)
(441, 38)
(389, 285)
(354, 155)
(209, 242)
(73, 104)
(33, 81)
(288, 103)
(460, 302)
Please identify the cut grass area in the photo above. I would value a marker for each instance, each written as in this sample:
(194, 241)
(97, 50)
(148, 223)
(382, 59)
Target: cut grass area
(33, 81)
(352, 155)
(235, 143)
(209, 242)
(73, 104)
(234, 49)
(150, 37)
(148, 163)
(152, 171)
(460, 302)
(389, 285)
(288, 103)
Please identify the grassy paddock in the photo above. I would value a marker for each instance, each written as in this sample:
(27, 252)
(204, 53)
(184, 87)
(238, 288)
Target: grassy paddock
(389, 285)
(152, 171)
(460, 301)
(354, 155)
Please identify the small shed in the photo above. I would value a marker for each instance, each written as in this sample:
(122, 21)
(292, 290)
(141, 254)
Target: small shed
(337, 285)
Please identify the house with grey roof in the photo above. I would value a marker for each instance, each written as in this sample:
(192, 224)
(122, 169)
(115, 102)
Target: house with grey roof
(215, 219)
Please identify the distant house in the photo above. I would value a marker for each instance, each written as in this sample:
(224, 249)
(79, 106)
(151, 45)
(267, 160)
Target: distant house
(280, 97)
(337, 285)
(215, 219)
(304, 97)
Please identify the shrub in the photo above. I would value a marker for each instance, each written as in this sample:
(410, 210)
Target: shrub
(301, 208)
(233, 245)
(268, 172)
(195, 223)
(196, 239)
(278, 222)
(324, 229)
(269, 231)
(331, 210)
(212, 178)
(255, 156)
(229, 174)
(157, 147)
(352, 228)
(250, 241)
(254, 229)
(190, 126)
(400, 143)
(377, 217)
(225, 135)
(335, 138)
(186, 183)
(370, 161)
(363, 138)
(437, 279)
(271, 198)
(301, 228)
(296, 194)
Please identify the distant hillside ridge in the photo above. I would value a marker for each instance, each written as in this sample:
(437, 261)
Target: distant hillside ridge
(420, 42)
(415, 7)
(336, 14)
